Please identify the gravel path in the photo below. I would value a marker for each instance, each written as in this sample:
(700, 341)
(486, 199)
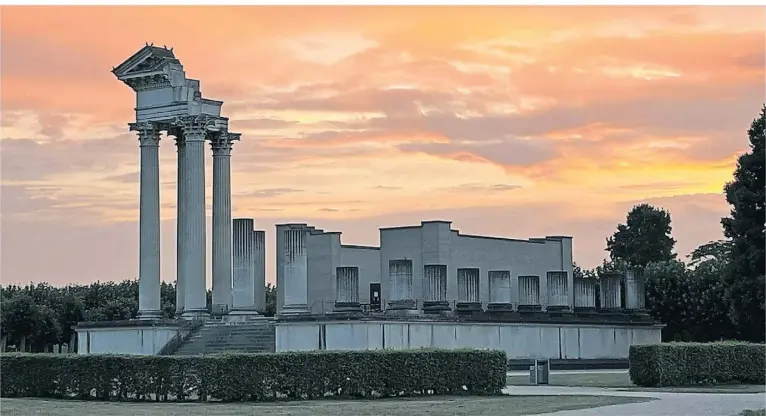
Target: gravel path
(668, 404)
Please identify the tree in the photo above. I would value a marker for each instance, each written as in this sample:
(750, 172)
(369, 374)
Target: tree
(718, 252)
(72, 312)
(745, 227)
(271, 300)
(580, 273)
(667, 296)
(644, 238)
(708, 308)
(20, 318)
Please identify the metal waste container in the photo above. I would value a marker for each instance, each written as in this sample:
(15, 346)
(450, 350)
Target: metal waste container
(540, 371)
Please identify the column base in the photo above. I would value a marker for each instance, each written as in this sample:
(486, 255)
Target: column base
(242, 315)
(293, 310)
(244, 311)
(195, 314)
(500, 307)
(218, 310)
(529, 308)
(468, 307)
(347, 307)
(585, 309)
(149, 314)
(403, 304)
(558, 308)
(436, 306)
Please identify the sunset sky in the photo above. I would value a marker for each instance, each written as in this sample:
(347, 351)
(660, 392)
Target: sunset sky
(509, 121)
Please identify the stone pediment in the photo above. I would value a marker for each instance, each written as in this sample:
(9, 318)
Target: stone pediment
(149, 60)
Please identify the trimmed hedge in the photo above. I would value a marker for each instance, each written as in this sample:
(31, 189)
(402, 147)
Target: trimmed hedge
(685, 364)
(254, 377)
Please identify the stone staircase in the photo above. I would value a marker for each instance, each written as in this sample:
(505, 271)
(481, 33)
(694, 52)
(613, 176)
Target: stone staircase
(220, 337)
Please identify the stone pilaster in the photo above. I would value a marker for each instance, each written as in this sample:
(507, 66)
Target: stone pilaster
(149, 305)
(529, 293)
(558, 293)
(259, 267)
(400, 278)
(585, 294)
(296, 271)
(468, 298)
(468, 285)
(244, 272)
(635, 290)
(181, 251)
(435, 288)
(346, 288)
(610, 291)
(499, 290)
(222, 237)
(194, 131)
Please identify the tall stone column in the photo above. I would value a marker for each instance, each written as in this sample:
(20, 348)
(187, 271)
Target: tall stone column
(635, 290)
(400, 280)
(259, 267)
(149, 305)
(195, 302)
(585, 294)
(529, 293)
(499, 290)
(346, 288)
(222, 238)
(558, 294)
(610, 291)
(244, 273)
(296, 271)
(181, 251)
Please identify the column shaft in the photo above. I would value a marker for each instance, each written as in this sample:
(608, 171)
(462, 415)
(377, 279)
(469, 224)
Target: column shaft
(259, 267)
(296, 271)
(195, 288)
(149, 305)
(244, 273)
(181, 251)
(222, 238)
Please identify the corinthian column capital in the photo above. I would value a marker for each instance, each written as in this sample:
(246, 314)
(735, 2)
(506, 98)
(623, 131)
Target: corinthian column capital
(222, 143)
(194, 128)
(148, 133)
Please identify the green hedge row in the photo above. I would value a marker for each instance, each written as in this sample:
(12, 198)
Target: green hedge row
(686, 364)
(254, 377)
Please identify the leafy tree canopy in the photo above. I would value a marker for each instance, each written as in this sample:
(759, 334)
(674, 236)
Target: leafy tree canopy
(745, 227)
(644, 238)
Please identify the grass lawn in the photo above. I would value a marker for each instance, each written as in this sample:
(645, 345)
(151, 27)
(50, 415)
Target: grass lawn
(622, 381)
(454, 406)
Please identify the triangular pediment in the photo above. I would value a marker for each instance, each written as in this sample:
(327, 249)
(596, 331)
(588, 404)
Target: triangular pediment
(147, 60)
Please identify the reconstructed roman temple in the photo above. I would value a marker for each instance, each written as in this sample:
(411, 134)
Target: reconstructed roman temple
(425, 285)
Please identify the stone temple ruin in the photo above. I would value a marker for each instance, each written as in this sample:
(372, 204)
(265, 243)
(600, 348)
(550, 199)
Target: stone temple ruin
(425, 285)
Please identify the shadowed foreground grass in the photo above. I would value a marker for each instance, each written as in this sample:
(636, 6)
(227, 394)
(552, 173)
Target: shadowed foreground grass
(454, 406)
(622, 382)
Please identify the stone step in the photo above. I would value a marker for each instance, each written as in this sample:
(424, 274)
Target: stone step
(216, 337)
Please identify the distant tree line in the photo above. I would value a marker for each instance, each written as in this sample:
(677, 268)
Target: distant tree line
(39, 316)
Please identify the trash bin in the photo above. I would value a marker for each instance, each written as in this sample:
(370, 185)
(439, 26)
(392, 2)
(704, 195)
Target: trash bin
(540, 371)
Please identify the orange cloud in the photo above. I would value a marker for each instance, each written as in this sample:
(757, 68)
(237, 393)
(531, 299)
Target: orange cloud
(372, 116)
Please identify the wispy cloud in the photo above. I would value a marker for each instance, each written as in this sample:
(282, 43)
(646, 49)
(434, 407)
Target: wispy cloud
(362, 117)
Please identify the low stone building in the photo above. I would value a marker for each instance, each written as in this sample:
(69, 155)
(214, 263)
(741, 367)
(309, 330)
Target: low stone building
(428, 267)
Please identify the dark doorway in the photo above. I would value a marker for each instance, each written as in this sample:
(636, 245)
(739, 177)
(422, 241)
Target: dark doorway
(375, 296)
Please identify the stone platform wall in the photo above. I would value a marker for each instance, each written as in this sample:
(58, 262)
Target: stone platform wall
(138, 337)
(518, 340)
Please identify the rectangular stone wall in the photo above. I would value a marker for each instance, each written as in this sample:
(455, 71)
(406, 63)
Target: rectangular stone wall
(500, 287)
(519, 341)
